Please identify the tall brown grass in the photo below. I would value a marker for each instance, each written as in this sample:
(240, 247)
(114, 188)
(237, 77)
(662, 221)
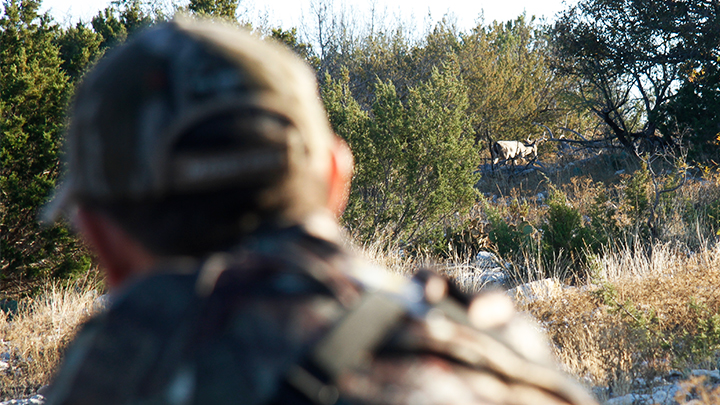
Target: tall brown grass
(608, 333)
(642, 319)
(34, 337)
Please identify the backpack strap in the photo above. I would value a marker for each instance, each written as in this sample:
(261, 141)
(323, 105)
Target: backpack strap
(347, 346)
(351, 343)
(375, 325)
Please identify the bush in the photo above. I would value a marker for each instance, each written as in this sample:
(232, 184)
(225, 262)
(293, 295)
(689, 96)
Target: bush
(636, 203)
(414, 158)
(563, 231)
(510, 237)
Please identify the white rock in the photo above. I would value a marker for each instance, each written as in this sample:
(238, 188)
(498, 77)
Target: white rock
(486, 260)
(663, 395)
(35, 400)
(629, 399)
(534, 290)
(712, 374)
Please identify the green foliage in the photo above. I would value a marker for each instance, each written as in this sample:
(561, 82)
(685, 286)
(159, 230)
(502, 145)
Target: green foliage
(508, 237)
(79, 47)
(695, 110)
(637, 201)
(121, 19)
(606, 294)
(109, 27)
(225, 9)
(628, 55)
(694, 342)
(414, 159)
(703, 343)
(560, 233)
(345, 115)
(563, 231)
(34, 92)
(507, 70)
(704, 211)
(290, 39)
(603, 220)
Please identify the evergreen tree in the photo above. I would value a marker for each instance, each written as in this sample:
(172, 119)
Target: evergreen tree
(79, 48)
(414, 160)
(441, 158)
(290, 39)
(121, 19)
(225, 9)
(109, 27)
(34, 93)
(695, 109)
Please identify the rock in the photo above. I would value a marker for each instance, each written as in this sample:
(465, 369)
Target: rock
(664, 395)
(674, 376)
(629, 399)
(639, 383)
(534, 290)
(486, 260)
(34, 400)
(488, 271)
(474, 278)
(496, 276)
(712, 375)
(663, 390)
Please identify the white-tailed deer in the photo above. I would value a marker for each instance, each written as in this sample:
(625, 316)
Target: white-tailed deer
(512, 150)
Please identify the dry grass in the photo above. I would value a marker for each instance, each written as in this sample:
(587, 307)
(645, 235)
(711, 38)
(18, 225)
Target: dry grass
(640, 322)
(607, 333)
(646, 307)
(639, 317)
(35, 336)
(699, 391)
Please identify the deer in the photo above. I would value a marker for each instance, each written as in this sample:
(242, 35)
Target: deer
(512, 150)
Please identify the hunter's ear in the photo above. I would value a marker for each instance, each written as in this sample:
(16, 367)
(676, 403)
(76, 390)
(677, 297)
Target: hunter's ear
(340, 175)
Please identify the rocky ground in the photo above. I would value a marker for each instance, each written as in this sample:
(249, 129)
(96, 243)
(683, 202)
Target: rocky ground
(671, 389)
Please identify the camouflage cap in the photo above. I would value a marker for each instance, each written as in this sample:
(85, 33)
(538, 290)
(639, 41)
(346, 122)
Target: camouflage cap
(134, 106)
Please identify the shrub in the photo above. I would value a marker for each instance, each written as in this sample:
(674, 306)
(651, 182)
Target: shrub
(604, 227)
(700, 344)
(414, 157)
(562, 229)
(510, 236)
(635, 204)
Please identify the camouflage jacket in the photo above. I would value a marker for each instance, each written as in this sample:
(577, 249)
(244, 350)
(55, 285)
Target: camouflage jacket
(295, 319)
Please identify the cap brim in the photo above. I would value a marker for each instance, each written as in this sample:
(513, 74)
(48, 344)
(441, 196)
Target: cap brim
(61, 201)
